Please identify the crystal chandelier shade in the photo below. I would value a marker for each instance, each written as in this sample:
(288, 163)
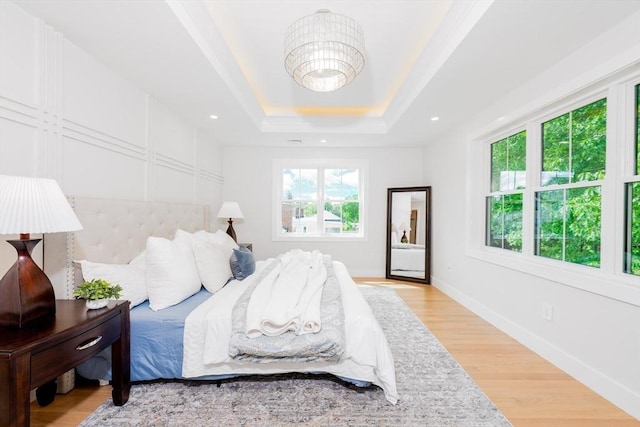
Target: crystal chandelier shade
(324, 51)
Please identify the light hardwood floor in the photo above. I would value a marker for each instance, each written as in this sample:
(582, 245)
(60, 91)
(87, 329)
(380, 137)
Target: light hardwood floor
(527, 389)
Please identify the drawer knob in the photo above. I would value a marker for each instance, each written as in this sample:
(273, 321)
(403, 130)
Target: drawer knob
(89, 343)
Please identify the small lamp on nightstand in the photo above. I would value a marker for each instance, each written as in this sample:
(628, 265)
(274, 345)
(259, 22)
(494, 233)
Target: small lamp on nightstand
(404, 238)
(30, 205)
(230, 210)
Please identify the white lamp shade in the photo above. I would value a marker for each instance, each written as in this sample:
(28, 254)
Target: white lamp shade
(230, 210)
(34, 205)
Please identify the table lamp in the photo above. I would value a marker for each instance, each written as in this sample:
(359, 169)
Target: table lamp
(30, 205)
(404, 238)
(230, 210)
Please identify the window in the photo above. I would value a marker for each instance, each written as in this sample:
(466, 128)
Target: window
(317, 201)
(504, 205)
(568, 211)
(568, 219)
(632, 203)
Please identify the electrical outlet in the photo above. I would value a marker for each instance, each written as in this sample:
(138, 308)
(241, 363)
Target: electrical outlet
(547, 312)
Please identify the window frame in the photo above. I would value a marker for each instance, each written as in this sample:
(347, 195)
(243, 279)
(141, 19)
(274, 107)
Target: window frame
(609, 279)
(320, 165)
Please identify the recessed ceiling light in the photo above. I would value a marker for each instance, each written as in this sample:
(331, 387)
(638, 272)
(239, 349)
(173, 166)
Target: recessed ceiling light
(435, 118)
(323, 140)
(213, 116)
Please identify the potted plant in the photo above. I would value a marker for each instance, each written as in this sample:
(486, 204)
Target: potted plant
(97, 292)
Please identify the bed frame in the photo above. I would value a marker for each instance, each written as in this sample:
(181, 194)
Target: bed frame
(115, 231)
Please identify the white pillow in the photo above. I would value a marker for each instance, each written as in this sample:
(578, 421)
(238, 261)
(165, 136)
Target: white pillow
(211, 252)
(140, 260)
(172, 275)
(213, 265)
(130, 277)
(219, 238)
(181, 234)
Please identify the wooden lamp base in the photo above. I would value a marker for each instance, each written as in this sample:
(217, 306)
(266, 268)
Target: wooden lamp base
(26, 293)
(230, 231)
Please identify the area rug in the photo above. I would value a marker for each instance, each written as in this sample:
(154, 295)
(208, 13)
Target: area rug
(434, 391)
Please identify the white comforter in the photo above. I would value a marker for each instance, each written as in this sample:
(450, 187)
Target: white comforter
(367, 354)
(407, 257)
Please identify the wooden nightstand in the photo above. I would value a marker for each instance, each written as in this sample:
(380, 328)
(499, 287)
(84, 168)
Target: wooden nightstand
(33, 356)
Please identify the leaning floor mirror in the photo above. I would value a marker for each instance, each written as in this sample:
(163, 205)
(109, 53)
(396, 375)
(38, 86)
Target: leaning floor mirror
(409, 234)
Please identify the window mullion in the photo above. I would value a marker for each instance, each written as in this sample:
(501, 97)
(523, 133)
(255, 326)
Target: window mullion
(502, 219)
(571, 177)
(565, 209)
(612, 189)
(627, 233)
(320, 202)
(533, 168)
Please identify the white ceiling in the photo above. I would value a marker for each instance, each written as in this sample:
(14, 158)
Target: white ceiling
(424, 58)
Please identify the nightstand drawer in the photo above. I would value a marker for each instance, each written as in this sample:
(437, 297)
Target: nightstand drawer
(48, 363)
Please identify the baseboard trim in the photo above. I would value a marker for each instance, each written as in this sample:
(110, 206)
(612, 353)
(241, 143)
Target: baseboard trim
(616, 393)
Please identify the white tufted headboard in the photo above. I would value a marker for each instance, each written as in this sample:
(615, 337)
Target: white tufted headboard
(115, 231)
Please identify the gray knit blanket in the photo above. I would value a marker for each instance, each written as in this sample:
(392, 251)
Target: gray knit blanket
(326, 345)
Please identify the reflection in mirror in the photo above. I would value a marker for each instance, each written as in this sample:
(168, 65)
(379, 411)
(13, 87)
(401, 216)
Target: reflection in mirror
(408, 234)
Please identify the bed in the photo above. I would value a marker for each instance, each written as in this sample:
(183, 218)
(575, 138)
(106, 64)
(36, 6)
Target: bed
(117, 232)
(408, 259)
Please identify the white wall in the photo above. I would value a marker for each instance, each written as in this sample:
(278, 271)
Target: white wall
(64, 115)
(248, 180)
(594, 338)
(401, 213)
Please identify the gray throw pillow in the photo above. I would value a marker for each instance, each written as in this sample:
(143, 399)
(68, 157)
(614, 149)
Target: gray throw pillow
(242, 263)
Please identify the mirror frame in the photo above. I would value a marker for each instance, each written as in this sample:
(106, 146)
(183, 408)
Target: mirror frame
(427, 227)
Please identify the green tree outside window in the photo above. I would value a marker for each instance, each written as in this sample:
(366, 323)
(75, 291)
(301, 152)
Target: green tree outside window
(504, 211)
(341, 197)
(505, 221)
(632, 217)
(632, 235)
(574, 145)
(568, 225)
(509, 162)
(568, 220)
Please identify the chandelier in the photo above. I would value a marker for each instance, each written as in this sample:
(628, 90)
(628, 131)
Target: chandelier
(324, 51)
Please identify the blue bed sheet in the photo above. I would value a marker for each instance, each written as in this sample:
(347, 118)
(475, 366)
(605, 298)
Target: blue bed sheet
(156, 342)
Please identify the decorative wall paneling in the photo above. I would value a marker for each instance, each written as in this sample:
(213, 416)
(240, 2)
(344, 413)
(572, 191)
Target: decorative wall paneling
(64, 115)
